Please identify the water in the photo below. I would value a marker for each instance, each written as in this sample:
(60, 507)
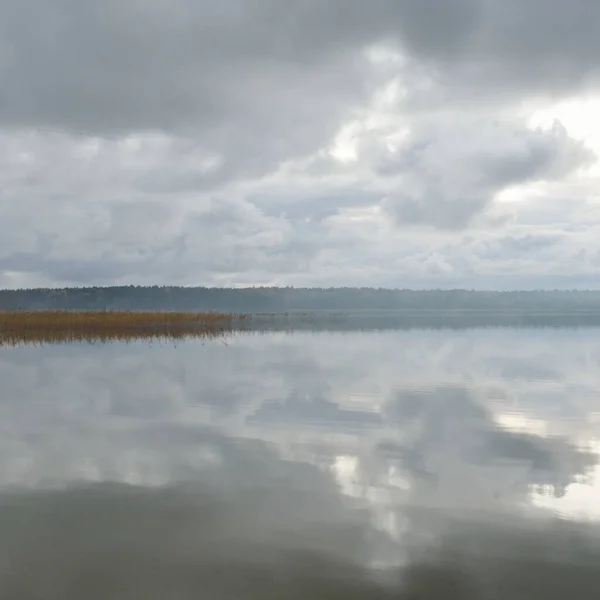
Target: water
(388, 464)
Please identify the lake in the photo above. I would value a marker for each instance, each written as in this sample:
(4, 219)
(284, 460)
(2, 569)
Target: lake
(409, 463)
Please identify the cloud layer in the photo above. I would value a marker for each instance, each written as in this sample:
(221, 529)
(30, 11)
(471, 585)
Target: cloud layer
(340, 144)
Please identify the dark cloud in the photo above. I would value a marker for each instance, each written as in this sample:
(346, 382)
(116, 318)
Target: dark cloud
(527, 47)
(243, 67)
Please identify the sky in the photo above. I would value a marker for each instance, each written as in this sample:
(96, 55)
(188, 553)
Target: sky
(392, 143)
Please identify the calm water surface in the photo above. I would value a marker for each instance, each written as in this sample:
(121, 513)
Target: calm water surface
(390, 464)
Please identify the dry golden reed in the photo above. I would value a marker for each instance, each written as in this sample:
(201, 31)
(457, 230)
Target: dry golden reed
(56, 326)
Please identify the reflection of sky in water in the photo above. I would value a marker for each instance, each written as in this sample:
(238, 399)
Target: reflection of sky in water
(452, 421)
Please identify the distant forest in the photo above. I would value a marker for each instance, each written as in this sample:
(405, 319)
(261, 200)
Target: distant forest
(282, 300)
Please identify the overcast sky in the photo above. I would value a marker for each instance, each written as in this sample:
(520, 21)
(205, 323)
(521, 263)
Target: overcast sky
(396, 143)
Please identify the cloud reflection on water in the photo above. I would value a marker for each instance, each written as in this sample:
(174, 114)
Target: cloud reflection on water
(404, 441)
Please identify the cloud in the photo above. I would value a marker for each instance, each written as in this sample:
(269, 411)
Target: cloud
(313, 144)
(125, 66)
(452, 168)
(519, 47)
(242, 88)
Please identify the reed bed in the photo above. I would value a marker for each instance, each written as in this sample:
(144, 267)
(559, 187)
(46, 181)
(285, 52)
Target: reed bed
(56, 326)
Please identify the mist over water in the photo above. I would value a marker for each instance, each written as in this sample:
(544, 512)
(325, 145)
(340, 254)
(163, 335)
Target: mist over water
(391, 464)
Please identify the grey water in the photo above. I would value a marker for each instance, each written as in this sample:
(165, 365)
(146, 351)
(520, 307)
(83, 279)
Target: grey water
(410, 464)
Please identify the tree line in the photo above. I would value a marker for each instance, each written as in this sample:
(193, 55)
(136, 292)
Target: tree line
(290, 299)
